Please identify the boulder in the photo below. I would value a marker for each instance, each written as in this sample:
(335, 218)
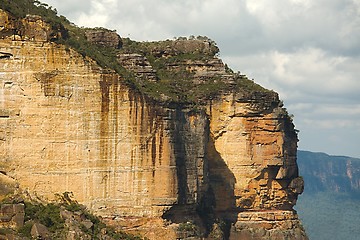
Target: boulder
(104, 37)
(40, 231)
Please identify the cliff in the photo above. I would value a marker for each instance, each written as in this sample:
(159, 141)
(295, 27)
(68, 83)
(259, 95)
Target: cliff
(177, 146)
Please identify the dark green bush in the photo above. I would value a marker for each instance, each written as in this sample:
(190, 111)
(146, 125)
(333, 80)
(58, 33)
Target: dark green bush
(48, 215)
(26, 229)
(4, 231)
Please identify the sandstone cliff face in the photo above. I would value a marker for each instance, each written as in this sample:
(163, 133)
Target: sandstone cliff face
(254, 166)
(32, 28)
(66, 125)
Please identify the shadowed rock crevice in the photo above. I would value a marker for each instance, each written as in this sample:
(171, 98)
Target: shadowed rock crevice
(181, 157)
(188, 138)
(219, 204)
(211, 202)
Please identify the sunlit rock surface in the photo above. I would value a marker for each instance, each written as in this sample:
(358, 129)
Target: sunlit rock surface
(67, 125)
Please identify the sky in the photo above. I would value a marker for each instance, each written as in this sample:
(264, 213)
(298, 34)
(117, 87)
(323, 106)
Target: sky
(306, 50)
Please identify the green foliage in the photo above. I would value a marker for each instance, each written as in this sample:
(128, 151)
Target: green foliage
(4, 231)
(48, 215)
(219, 228)
(104, 56)
(20, 8)
(130, 46)
(174, 84)
(245, 84)
(177, 83)
(74, 207)
(228, 69)
(98, 225)
(187, 227)
(121, 235)
(26, 230)
(72, 36)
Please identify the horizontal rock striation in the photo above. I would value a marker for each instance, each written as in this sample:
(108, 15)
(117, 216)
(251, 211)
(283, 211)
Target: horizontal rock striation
(67, 125)
(104, 37)
(139, 65)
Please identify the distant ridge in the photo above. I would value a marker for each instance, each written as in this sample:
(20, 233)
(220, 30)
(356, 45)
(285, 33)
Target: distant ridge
(329, 207)
(324, 172)
(341, 157)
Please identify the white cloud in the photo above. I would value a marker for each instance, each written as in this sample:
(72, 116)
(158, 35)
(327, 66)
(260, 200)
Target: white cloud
(301, 106)
(330, 124)
(340, 109)
(99, 14)
(259, 24)
(314, 72)
(70, 8)
(330, 24)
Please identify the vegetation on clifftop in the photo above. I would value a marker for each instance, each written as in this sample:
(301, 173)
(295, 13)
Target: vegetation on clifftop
(173, 84)
(172, 61)
(20, 8)
(60, 219)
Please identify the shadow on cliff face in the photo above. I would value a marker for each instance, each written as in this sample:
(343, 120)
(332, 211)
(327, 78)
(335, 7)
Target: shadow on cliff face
(219, 204)
(189, 144)
(205, 199)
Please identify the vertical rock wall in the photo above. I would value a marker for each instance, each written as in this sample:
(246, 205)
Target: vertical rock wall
(67, 125)
(253, 164)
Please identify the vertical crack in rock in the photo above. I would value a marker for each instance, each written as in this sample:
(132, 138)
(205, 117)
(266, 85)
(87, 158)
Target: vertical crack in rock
(189, 140)
(180, 156)
(105, 84)
(104, 123)
(219, 202)
(109, 109)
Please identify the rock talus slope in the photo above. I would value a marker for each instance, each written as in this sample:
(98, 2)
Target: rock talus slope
(67, 125)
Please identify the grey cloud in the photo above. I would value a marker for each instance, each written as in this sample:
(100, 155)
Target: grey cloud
(286, 26)
(70, 8)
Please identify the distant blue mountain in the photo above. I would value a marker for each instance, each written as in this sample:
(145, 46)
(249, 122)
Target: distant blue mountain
(323, 172)
(330, 205)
